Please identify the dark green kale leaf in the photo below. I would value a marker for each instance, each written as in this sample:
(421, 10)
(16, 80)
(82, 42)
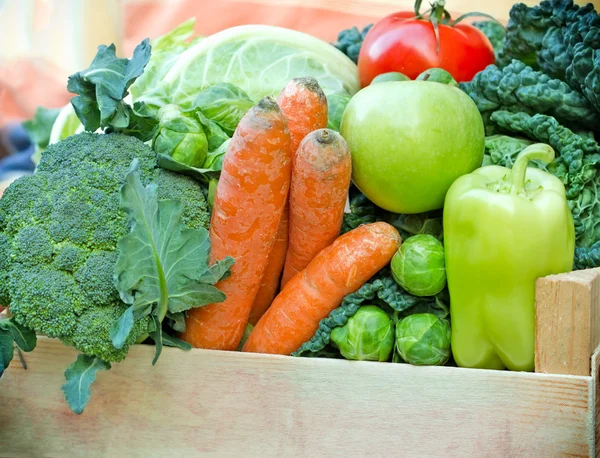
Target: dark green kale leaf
(350, 40)
(584, 71)
(519, 88)
(493, 30)
(528, 26)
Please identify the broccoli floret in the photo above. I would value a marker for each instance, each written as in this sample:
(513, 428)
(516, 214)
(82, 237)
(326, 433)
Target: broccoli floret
(59, 230)
(173, 185)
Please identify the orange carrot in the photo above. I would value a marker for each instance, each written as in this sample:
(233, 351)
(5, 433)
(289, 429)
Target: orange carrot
(269, 284)
(304, 104)
(248, 205)
(321, 172)
(338, 270)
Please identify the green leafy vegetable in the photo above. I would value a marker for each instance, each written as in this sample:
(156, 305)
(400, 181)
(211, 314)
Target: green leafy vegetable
(382, 291)
(165, 53)
(11, 334)
(518, 88)
(561, 39)
(493, 30)
(182, 135)
(102, 87)
(576, 165)
(363, 211)
(162, 267)
(40, 127)
(336, 104)
(503, 149)
(260, 60)
(225, 104)
(80, 375)
(350, 41)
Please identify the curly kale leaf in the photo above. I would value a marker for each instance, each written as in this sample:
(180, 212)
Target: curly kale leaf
(584, 71)
(519, 88)
(363, 211)
(587, 257)
(381, 290)
(528, 26)
(350, 40)
(493, 30)
(576, 166)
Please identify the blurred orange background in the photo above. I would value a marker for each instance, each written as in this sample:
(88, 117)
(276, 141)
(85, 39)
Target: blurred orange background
(44, 41)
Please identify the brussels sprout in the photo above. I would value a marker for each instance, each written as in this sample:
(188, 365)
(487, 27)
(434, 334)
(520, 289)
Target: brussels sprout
(181, 135)
(419, 265)
(423, 339)
(390, 76)
(367, 336)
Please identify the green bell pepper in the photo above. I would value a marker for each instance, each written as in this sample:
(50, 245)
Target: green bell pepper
(503, 229)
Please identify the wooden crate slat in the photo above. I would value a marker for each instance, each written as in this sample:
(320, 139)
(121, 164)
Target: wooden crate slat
(567, 322)
(234, 404)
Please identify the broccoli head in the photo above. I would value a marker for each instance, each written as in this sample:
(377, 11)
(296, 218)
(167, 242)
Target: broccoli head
(59, 230)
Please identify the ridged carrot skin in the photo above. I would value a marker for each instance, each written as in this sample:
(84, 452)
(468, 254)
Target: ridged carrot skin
(269, 285)
(338, 270)
(249, 201)
(321, 173)
(304, 104)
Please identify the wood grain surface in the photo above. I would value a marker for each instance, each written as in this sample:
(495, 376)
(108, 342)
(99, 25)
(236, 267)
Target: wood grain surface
(209, 403)
(567, 322)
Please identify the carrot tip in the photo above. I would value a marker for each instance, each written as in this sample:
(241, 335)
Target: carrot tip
(310, 83)
(325, 136)
(268, 103)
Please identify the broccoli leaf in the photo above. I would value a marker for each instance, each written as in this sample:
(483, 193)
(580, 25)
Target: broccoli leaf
(162, 267)
(171, 341)
(12, 333)
(80, 375)
(7, 348)
(40, 126)
(101, 88)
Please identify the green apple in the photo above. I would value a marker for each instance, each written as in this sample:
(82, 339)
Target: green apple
(410, 140)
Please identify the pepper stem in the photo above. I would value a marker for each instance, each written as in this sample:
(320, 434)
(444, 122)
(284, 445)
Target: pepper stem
(537, 151)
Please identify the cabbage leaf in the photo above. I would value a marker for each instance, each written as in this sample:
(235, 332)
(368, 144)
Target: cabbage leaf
(258, 59)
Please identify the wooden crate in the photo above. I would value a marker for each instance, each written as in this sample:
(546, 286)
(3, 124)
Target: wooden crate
(212, 403)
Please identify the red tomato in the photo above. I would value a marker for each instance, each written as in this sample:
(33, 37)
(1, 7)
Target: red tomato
(401, 43)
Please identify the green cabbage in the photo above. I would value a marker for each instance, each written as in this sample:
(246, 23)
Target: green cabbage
(258, 59)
